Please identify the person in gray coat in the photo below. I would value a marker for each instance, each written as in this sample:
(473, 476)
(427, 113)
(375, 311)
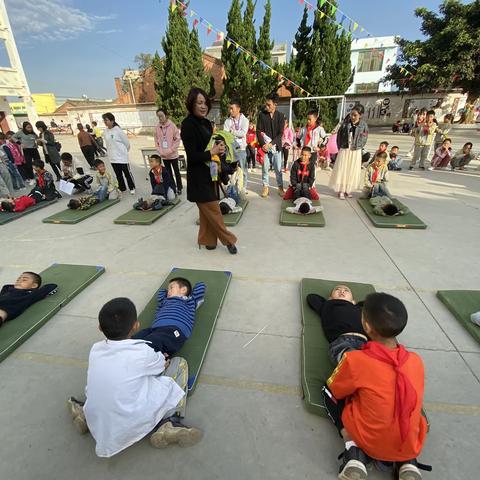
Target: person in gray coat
(47, 141)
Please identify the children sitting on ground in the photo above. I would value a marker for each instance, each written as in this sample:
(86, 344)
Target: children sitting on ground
(376, 177)
(443, 130)
(375, 396)
(233, 194)
(424, 134)
(27, 290)
(302, 178)
(463, 157)
(396, 161)
(385, 207)
(304, 206)
(44, 188)
(105, 179)
(17, 154)
(9, 161)
(382, 148)
(132, 390)
(442, 156)
(72, 172)
(175, 316)
(341, 319)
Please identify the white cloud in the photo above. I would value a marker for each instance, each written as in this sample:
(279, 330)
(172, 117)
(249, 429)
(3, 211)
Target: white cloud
(50, 21)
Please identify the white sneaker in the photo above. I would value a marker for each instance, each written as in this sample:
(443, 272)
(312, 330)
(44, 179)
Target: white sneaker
(132, 191)
(431, 169)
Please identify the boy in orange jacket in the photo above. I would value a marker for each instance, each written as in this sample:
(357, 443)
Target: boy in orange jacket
(375, 396)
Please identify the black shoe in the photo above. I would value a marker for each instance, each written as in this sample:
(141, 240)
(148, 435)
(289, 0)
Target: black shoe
(421, 168)
(410, 168)
(210, 247)
(232, 249)
(354, 465)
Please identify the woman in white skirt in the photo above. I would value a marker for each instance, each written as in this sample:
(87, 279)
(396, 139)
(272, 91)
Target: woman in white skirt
(351, 138)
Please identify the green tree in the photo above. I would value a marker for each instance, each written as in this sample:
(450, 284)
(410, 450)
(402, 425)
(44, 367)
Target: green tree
(143, 60)
(450, 55)
(157, 65)
(197, 69)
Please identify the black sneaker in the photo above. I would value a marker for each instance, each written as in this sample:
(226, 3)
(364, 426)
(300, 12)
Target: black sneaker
(410, 470)
(354, 465)
(410, 168)
(421, 168)
(232, 249)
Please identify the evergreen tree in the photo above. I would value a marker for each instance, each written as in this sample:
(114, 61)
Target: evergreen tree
(197, 69)
(157, 65)
(176, 78)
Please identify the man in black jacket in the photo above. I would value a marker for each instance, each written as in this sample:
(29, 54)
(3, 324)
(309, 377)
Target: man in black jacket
(270, 125)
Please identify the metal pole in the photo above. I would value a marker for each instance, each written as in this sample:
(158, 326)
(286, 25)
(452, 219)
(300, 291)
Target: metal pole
(131, 89)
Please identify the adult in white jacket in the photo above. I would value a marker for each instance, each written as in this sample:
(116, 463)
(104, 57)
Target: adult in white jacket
(117, 145)
(237, 124)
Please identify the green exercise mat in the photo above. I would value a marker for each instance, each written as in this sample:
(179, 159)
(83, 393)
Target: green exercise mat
(195, 348)
(410, 220)
(71, 280)
(231, 219)
(75, 216)
(139, 217)
(316, 365)
(462, 303)
(6, 217)
(294, 220)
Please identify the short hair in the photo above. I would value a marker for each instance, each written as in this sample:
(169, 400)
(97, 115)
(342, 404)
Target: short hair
(7, 206)
(312, 112)
(468, 143)
(2, 136)
(163, 110)
(382, 155)
(66, 156)
(431, 112)
(155, 157)
(304, 208)
(385, 313)
(359, 108)
(35, 277)
(94, 123)
(73, 204)
(10, 133)
(384, 143)
(447, 140)
(182, 282)
(390, 209)
(393, 155)
(395, 146)
(225, 208)
(117, 318)
(41, 124)
(273, 97)
(98, 162)
(235, 101)
(79, 126)
(39, 163)
(192, 98)
(306, 149)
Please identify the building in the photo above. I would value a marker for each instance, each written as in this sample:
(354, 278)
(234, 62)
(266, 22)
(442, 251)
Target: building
(45, 103)
(370, 58)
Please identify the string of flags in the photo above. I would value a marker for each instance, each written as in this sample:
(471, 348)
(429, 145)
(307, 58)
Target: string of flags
(220, 35)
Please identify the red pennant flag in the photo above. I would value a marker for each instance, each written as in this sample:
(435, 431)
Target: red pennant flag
(195, 22)
(219, 36)
(289, 83)
(209, 29)
(301, 2)
(309, 6)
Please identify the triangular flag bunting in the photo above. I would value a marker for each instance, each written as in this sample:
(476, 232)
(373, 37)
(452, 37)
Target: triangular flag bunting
(339, 26)
(219, 36)
(309, 6)
(195, 22)
(247, 56)
(355, 26)
(192, 13)
(343, 19)
(228, 43)
(209, 29)
(322, 3)
(239, 51)
(301, 2)
(361, 29)
(334, 9)
(173, 6)
(322, 14)
(272, 72)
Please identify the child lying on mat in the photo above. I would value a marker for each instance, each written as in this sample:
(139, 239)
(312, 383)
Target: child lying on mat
(341, 319)
(16, 298)
(375, 395)
(20, 204)
(151, 203)
(385, 207)
(304, 206)
(175, 316)
(85, 202)
(132, 391)
(229, 205)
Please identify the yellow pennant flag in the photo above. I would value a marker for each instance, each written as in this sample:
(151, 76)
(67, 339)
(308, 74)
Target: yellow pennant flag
(228, 43)
(355, 26)
(322, 14)
(272, 72)
(173, 6)
(192, 13)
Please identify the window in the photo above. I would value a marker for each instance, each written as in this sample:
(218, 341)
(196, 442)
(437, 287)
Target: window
(366, 87)
(370, 61)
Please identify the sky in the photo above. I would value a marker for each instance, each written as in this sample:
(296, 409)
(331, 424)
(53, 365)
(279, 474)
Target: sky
(77, 47)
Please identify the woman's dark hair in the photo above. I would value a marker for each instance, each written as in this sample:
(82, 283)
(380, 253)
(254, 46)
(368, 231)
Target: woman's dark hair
(273, 97)
(24, 127)
(41, 124)
(386, 314)
(162, 109)
(468, 143)
(192, 98)
(117, 318)
(7, 206)
(359, 108)
(111, 117)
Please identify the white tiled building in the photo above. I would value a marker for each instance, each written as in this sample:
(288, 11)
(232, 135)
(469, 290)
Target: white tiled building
(370, 58)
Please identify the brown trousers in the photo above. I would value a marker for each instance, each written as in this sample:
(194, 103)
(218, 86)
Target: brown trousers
(212, 227)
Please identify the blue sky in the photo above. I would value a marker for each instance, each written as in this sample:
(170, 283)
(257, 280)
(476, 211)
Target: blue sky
(75, 47)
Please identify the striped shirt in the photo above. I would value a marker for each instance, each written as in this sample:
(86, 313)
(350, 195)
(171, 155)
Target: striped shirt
(178, 312)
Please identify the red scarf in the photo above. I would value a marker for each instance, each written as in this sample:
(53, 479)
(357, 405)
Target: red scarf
(304, 172)
(158, 175)
(375, 175)
(308, 136)
(405, 394)
(41, 179)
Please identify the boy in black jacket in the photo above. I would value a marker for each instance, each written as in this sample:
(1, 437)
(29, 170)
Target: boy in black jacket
(15, 299)
(302, 178)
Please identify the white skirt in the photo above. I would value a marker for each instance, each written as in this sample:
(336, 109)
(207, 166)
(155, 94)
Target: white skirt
(347, 171)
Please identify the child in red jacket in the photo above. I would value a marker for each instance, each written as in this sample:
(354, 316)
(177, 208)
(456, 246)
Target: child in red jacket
(17, 204)
(375, 396)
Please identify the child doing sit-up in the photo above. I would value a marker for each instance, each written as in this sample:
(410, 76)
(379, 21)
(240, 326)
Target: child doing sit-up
(175, 316)
(375, 396)
(302, 178)
(132, 391)
(16, 298)
(341, 321)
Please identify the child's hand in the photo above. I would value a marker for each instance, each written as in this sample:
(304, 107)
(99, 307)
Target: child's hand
(217, 149)
(167, 363)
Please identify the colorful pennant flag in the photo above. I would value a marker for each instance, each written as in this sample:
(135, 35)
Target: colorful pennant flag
(228, 43)
(195, 22)
(322, 3)
(192, 13)
(334, 9)
(322, 14)
(209, 29)
(355, 26)
(343, 19)
(173, 6)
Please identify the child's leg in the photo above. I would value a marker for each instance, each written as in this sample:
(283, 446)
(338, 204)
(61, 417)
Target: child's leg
(178, 370)
(167, 340)
(366, 192)
(423, 155)
(416, 155)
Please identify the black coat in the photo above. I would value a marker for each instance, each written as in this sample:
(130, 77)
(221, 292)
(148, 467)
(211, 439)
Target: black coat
(196, 134)
(272, 127)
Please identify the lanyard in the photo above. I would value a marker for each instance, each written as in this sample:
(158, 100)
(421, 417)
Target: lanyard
(236, 124)
(164, 132)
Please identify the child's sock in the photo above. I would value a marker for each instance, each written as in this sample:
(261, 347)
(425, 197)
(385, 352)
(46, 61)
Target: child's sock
(350, 444)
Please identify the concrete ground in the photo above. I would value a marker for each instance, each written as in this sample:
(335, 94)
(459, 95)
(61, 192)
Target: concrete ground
(248, 401)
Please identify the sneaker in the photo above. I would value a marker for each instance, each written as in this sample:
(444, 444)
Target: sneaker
(265, 192)
(75, 407)
(172, 431)
(421, 168)
(232, 249)
(341, 196)
(353, 465)
(349, 195)
(410, 168)
(409, 471)
(132, 191)
(281, 191)
(431, 169)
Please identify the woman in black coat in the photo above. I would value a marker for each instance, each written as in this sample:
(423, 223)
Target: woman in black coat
(47, 141)
(196, 132)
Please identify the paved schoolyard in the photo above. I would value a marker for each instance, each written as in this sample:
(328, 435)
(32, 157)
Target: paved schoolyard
(248, 400)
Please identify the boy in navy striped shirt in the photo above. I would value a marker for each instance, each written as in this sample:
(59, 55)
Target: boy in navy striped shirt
(175, 316)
